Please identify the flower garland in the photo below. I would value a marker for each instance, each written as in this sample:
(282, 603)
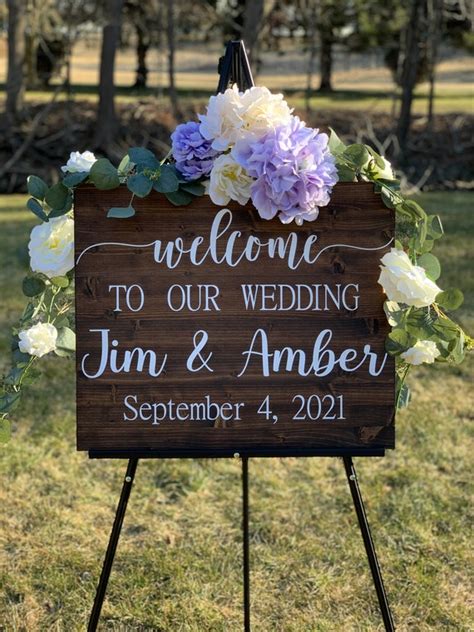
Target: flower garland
(248, 146)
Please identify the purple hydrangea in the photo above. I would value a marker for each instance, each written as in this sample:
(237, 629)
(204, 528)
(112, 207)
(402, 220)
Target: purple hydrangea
(294, 171)
(193, 153)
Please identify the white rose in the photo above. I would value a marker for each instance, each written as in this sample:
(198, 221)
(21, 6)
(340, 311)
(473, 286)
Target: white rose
(51, 247)
(229, 181)
(385, 172)
(262, 111)
(222, 122)
(79, 162)
(424, 351)
(404, 282)
(38, 340)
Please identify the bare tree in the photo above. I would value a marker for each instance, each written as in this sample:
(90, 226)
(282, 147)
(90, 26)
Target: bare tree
(16, 58)
(411, 52)
(171, 40)
(253, 19)
(107, 122)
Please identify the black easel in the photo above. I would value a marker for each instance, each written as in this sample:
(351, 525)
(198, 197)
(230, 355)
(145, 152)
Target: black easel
(233, 68)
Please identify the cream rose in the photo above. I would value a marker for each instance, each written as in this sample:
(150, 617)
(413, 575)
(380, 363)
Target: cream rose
(38, 340)
(404, 282)
(222, 122)
(51, 247)
(229, 181)
(423, 352)
(79, 162)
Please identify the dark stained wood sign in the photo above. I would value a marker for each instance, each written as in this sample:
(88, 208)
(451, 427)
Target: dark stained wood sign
(206, 331)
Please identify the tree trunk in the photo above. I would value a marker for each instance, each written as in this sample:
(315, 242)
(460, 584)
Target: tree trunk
(435, 17)
(16, 58)
(170, 37)
(411, 57)
(253, 18)
(143, 44)
(311, 37)
(107, 123)
(326, 61)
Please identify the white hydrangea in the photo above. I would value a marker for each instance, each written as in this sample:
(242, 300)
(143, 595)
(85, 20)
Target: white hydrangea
(51, 247)
(233, 116)
(228, 181)
(38, 340)
(222, 122)
(262, 111)
(79, 162)
(424, 351)
(404, 282)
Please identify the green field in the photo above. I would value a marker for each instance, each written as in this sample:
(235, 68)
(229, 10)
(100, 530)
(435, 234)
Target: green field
(178, 566)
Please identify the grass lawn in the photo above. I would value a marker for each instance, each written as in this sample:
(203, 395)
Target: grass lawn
(178, 566)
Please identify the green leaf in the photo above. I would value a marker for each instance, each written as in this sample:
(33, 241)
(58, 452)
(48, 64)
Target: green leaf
(143, 158)
(336, 146)
(397, 341)
(66, 339)
(60, 281)
(57, 212)
(394, 313)
(379, 161)
(179, 197)
(139, 184)
(389, 198)
(450, 299)
(36, 187)
(412, 209)
(14, 376)
(104, 175)
(121, 212)
(404, 397)
(445, 328)
(431, 265)
(168, 181)
(36, 208)
(195, 188)
(5, 429)
(357, 154)
(8, 401)
(32, 286)
(71, 180)
(57, 195)
(456, 348)
(345, 173)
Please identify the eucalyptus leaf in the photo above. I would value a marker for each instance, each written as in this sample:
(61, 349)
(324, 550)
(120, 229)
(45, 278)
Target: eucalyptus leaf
(8, 401)
(398, 340)
(379, 161)
(36, 187)
(143, 158)
(431, 265)
(71, 180)
(121, 212)
(450, 299)
(395, 315)
(125, 165)
(435, 227)
(195, 188)
(104, 175)
(57, 212)
(35, 207)
(168, 181)
(32, 286)
(345, 173)
(57, 195)
(139, 184)
(389, 198)
(179, 197)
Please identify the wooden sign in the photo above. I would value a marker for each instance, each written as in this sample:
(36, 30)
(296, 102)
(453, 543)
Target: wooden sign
(206, 331)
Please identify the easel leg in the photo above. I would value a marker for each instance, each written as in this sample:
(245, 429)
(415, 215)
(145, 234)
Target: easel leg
(112, 546)
(245, 534)
(369, 544)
